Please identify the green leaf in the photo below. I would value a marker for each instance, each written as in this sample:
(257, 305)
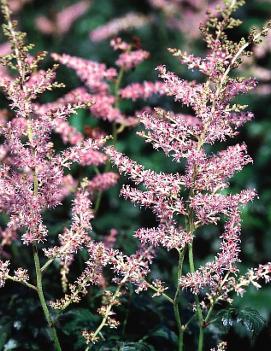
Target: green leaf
(165, 333)
(78, 320)
(248, 318)
(252, 320)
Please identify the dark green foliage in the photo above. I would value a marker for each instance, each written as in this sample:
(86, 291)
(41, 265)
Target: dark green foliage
(246, 320)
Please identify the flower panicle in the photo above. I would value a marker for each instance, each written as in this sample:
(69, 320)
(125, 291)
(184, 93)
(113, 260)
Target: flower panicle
(200, 195)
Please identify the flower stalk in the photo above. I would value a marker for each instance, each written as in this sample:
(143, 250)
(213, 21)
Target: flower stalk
(45, 309)
(177, 311)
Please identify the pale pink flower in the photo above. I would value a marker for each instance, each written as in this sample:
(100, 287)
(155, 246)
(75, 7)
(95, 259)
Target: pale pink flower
(119, 44)
(210, 275)
(21, 275)
(91, 73)
(209, 207)
(164, 184)
(114, 27)
(45, 25)
(134, 268)
(8, 235)
(131, 59)
(102, 182)
(104, 108)
(143, 90)
(214, 171)
(5, 49)
(17, 5)
(263, 89)
(166, 235)
(63, 20)
(86, 153)
(169, 7)
(76, 236)
(172, 133)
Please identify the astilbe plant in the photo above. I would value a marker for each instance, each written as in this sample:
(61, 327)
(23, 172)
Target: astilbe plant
(32, 174)
(104, 86)
(184, 203)
(35, 178)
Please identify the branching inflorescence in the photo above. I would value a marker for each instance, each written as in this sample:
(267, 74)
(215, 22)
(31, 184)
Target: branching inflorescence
(185, 203)
(34, 177)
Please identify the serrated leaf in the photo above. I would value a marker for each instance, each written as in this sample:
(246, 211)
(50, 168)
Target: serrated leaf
(79, 319)
(252, 320)
(247, 317)
(165, 333)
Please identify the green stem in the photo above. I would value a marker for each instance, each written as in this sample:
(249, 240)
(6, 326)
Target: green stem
(46, 265)
(179, 325)
(114, 133)
(117, 86)
(125, 321)
(46, 312)
(108, 310)
(14, 279)
(176, 302)
(199, 311)
(201, 338)
(98, 201)
(208, 316)
(206, 320)
(189, 321)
